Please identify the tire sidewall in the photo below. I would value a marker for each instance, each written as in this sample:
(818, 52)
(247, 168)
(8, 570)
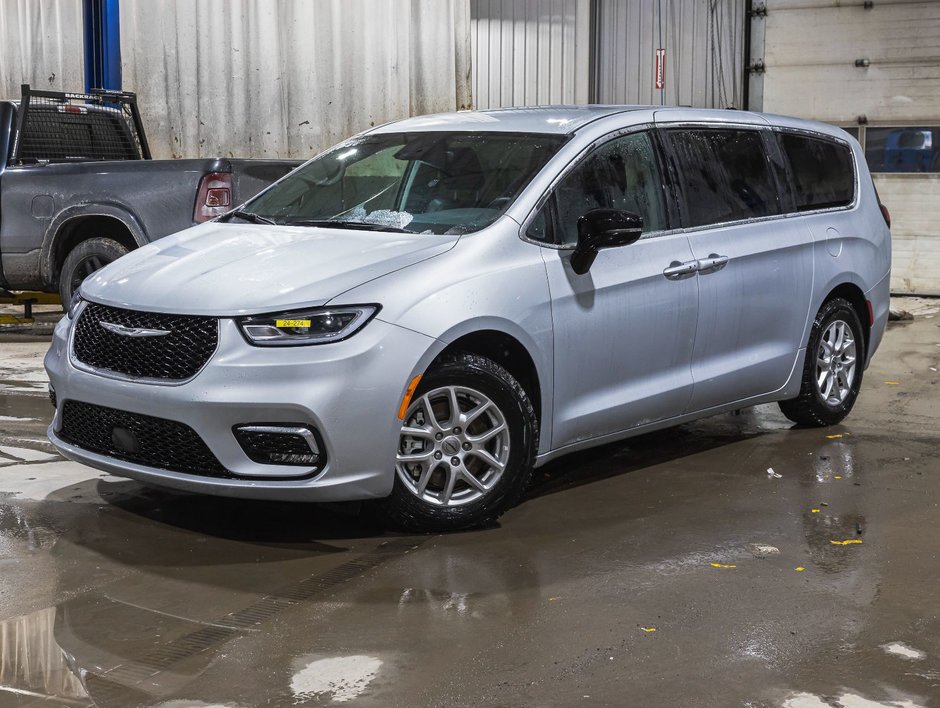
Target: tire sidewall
(498, 385)
(107, 249)
(837, 309)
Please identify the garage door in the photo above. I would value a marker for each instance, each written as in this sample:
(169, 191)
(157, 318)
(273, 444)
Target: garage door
(875, 70)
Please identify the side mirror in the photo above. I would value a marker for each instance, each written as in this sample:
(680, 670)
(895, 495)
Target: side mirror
(603, 228)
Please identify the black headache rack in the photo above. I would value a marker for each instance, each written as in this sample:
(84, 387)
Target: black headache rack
(52, 126)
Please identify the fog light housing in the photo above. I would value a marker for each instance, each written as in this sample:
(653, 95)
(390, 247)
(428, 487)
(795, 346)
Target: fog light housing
(280, 444)
(52, 398)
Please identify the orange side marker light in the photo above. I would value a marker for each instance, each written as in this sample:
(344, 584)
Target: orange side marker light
(409, 392)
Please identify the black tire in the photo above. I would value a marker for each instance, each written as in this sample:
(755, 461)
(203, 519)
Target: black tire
(83, 260)
(810, 408)
(403, 509)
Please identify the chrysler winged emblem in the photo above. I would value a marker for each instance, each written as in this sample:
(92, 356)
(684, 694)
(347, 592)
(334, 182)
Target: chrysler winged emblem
(133, 331)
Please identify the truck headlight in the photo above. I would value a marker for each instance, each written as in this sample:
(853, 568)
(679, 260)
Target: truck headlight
(320, 325)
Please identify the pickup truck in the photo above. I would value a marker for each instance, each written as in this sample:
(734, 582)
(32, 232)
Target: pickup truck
(78, 188)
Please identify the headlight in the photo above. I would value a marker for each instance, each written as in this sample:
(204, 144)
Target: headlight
(317, 326)
(74, 303)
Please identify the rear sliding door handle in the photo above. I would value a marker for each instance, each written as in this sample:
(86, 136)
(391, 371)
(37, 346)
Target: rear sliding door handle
(712, 264)
(678, 270)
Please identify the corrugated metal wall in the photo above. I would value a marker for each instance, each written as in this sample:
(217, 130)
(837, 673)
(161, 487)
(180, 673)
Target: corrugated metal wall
(530, 52)
(810, 51)
(289, 78)
(704, 51)
(40, 45)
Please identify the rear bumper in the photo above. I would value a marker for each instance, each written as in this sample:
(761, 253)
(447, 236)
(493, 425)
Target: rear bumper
(880, 299)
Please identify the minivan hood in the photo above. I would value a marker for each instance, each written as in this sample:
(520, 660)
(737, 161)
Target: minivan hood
(236, 269)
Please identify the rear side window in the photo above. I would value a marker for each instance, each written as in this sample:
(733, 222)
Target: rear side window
(822, 170)
(723, 175)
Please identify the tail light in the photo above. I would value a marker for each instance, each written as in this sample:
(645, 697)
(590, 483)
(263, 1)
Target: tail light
(886, 214)
(214, 197)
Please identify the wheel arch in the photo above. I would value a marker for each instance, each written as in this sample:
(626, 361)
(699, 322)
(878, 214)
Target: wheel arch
(856, 298)
(77, 224)
(507, 351)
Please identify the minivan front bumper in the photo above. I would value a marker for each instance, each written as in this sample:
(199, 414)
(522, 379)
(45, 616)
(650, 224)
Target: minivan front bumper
(349, 392)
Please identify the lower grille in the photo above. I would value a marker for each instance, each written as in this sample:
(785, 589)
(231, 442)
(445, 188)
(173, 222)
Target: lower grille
(141, 439)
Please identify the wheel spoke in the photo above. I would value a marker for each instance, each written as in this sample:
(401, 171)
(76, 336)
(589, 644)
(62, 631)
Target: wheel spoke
(411, 457)
(448, 491)
(823, 375)
(470, 416)
(488, 435)
(454, 407)
(473, 481)
(429, 412)
(488, 458)
(830, 380)
(423, 480)
(413, 432)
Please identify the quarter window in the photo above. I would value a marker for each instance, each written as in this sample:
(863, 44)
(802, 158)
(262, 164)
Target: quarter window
(621, 174)
(822, 171)
(724, 175)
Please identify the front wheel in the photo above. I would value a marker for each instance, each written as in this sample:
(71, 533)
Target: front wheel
(466, 447)
(832, 371)
(83, 260)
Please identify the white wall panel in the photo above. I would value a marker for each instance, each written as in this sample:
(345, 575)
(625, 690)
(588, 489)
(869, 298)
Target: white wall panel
(287, 78)
(704, 52)
(40, 45)
(530, 52)
(810, 51)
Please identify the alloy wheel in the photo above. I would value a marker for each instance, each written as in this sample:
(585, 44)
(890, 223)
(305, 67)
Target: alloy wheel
(453, 447)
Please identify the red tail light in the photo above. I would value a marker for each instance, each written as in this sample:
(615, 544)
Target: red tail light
(886, 214)
(214, 197)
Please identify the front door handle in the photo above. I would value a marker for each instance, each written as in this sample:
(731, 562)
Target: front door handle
(678, 270)
(712, 264)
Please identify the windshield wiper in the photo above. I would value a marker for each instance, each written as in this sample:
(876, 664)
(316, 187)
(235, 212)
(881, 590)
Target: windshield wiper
(358, 225)
(250, 216)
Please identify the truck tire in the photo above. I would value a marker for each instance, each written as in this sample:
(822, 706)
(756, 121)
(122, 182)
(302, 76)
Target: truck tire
(83, 260)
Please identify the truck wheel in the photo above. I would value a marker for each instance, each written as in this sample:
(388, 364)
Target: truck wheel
(832, 371)
(83, 260)
(466, 448)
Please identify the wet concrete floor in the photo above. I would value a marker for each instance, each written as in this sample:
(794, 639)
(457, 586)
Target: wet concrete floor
(669, 570)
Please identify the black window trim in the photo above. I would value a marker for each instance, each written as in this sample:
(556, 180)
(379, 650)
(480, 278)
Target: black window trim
(670, 201)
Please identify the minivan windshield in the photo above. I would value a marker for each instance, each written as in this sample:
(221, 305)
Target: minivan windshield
(419, 182)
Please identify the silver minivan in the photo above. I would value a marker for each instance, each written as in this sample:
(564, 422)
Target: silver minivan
(426, 312)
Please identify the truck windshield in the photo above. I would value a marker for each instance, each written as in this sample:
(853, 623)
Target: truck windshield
(428, 182)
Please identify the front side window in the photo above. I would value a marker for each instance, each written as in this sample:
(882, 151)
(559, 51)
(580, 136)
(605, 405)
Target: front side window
(433, 182)
(723, 175)
(621, 174)
(823, 173)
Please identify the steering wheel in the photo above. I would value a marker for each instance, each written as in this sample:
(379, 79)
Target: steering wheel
(498, 202)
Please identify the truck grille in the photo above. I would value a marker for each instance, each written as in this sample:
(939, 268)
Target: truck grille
(174, 356)
(141, 439)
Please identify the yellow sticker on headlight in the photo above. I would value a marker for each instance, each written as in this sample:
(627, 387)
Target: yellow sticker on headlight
(292, 323)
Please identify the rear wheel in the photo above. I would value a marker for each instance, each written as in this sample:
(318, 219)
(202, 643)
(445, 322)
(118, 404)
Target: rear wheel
(466, 447)
(83, 260)
(832, 371)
